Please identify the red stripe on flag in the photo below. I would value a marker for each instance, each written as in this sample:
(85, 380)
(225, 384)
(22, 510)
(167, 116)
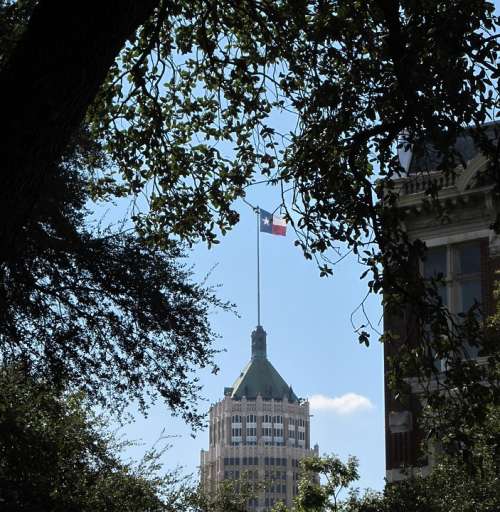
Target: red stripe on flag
(279, 230)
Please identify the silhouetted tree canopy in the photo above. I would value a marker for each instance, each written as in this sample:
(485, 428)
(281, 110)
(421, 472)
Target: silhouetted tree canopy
(56, 455)
(185, 109)
(184, 97)
(101, 311)
(94, 308)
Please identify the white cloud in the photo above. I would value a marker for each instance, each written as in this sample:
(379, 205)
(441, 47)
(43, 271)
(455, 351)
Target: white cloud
(349, 403)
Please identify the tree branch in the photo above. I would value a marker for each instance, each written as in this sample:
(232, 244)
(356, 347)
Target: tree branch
(46, 87)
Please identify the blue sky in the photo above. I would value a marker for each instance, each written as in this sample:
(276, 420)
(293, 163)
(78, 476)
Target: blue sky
(311, 342)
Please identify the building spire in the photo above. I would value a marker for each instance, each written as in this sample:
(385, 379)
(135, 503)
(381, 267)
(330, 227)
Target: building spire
(259, 344)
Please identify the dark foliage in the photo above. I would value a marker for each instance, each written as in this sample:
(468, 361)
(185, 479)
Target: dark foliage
(95, 308)
(99, 310)
(48, 79)
(57, 456)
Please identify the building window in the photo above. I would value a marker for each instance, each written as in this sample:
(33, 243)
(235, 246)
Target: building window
(251, 418)
(277, 419)
(458, 267)
(267, 431)
(236, 419)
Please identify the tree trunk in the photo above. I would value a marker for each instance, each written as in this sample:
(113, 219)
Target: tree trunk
(46, 87)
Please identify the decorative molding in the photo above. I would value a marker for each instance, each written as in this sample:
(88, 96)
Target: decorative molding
(466, 176)
(466, 236)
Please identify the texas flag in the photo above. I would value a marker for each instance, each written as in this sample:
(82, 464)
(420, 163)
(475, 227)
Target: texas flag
(273, 224)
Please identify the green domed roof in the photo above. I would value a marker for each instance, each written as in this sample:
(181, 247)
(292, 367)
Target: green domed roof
(259, 377)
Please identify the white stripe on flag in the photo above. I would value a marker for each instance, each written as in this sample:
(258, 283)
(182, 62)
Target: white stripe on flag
(278, 221)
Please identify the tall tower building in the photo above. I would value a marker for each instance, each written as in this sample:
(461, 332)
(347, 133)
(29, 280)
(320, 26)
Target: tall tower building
(260, 430)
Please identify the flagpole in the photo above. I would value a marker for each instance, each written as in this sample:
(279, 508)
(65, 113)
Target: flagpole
(257, 211)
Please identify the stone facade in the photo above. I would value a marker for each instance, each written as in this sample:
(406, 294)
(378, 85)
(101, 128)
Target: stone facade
(260, 435)
(473, 208)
